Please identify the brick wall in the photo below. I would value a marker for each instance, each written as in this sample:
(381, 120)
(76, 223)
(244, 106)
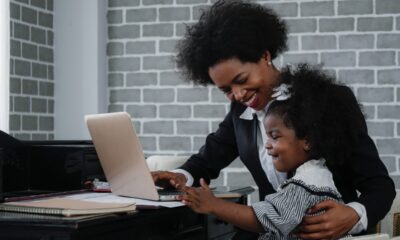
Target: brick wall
(357, 40)
(31, 69)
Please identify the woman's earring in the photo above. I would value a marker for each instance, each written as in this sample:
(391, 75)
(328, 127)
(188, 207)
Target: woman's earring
(269, 63)
(307, 148)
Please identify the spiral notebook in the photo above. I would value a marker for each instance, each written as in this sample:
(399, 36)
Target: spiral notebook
(66, 207)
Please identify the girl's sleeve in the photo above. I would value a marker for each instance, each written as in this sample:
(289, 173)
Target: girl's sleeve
(280, 213)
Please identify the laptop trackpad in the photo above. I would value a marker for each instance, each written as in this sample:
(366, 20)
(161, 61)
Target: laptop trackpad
(169, 194)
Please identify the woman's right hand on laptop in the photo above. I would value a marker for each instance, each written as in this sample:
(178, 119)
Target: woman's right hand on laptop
(167, 179)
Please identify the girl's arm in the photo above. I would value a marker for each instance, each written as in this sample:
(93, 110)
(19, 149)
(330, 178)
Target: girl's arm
(202, 200)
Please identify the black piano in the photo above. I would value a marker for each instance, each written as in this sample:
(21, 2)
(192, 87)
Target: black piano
(39, 167)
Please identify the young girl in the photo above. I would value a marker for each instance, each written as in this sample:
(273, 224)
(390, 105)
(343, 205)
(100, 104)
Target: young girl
(308, 127)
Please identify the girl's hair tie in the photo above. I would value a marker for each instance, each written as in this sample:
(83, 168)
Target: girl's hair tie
(282, 92)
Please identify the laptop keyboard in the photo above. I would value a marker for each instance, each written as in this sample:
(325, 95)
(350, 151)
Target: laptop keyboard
(168, 192)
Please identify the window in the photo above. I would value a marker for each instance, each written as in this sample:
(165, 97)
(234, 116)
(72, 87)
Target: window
(4, 64)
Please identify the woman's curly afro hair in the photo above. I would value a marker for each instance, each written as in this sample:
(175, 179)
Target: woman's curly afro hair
(229, 29)
(321, 111)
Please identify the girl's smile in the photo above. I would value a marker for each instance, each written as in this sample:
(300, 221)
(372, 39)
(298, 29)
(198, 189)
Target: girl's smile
(287, 151)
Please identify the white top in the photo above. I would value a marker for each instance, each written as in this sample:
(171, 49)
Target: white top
(275, 177)
(315, 173)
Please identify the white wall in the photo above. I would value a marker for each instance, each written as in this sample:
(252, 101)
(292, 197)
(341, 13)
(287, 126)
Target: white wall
(4, 64)
(80, 65)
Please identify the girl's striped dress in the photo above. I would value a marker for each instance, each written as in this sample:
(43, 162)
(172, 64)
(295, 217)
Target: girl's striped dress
(281, 212)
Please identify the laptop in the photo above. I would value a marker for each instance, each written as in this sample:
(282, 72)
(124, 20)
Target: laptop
(121, 157)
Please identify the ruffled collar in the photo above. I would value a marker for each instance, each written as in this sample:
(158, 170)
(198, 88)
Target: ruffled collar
(316, 173)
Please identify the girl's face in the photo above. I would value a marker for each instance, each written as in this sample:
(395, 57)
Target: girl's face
(287, 151)
(246, 82)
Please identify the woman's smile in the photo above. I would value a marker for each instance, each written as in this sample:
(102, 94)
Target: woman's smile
(253, 101)
(249, 83)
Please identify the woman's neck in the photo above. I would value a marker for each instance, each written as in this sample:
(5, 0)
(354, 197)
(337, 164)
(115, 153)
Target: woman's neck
(275, 76)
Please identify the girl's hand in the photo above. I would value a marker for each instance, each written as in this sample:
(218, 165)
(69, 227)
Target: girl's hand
(201, 199)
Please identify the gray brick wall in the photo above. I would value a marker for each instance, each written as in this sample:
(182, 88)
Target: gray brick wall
(31, 71)
(357, 40)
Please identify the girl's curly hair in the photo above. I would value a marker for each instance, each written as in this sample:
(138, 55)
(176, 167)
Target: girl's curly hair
(319, 112)
(229, 29)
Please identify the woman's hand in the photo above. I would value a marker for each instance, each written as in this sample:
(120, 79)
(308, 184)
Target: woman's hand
(167, 179)
(200, 199)
(334, 223)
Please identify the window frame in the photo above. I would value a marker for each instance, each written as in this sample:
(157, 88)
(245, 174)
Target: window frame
(4, 65)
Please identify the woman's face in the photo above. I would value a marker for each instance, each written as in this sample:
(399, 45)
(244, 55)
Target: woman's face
(246, 82)
(287, 151)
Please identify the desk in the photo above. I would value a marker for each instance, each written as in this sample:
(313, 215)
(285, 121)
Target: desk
(163, 223)
(72, 163)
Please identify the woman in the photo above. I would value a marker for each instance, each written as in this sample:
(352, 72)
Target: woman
(232, 46)
(304, 99)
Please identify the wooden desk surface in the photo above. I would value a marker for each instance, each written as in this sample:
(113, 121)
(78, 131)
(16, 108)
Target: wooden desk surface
(161, 223)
